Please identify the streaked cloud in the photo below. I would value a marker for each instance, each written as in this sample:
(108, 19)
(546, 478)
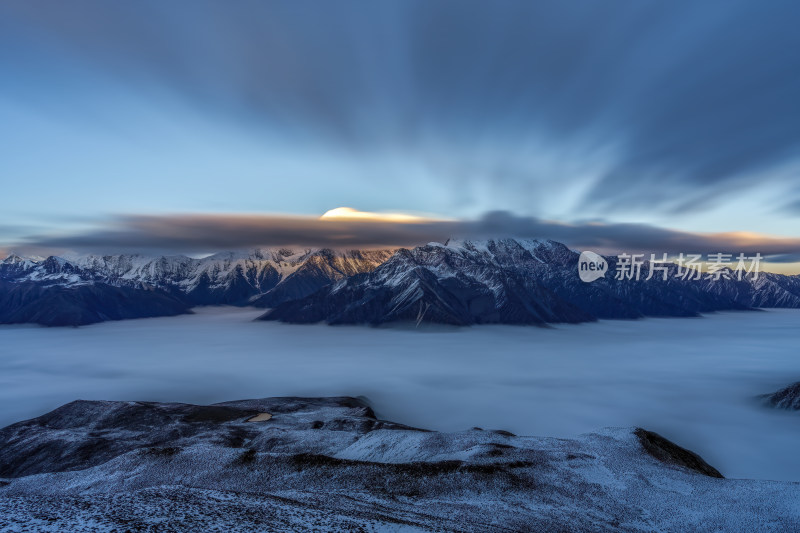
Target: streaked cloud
(198, 233)
(630, 109)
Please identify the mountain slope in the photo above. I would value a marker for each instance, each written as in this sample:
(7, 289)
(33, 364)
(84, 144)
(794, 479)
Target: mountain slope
(428, 283)
(320, 269)
(786, 398)
(510, 281)
(329, 464)
(78, 305)
(520, 282)
(86, 289)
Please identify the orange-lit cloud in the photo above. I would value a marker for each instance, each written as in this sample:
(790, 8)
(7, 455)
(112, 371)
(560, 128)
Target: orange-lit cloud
(348, 213)
(197, 233)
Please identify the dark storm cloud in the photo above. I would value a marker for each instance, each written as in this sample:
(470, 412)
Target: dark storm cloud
(693, 98)
(211, 233)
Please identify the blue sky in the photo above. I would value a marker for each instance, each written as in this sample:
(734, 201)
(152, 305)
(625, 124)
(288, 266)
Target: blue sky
(674, 114)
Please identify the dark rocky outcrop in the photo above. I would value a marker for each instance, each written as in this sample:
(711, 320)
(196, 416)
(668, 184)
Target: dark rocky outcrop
(786, 398)
(669, 452)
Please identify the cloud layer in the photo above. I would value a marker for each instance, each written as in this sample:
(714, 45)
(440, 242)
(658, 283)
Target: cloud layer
(214, 232)
(559, 109)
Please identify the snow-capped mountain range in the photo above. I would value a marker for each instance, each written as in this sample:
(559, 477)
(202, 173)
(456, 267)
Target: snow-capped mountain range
(515, 281)
(260, 277)
(510, 281)
(228, 277)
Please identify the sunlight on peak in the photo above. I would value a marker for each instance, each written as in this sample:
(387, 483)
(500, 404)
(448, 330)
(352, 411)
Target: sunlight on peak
(348, 213)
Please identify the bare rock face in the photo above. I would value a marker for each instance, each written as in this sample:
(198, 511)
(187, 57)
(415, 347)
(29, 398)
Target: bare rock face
(786, 398)
(669, 452)
(329, 464)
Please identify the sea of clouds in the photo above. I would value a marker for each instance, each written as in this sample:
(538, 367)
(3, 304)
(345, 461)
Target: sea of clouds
(695, 381)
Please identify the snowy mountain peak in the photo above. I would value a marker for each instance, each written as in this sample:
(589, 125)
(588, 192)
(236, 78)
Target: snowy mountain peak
(516, 281)
(13, 259)
(235, 277)
(460, 281)
(493, 246)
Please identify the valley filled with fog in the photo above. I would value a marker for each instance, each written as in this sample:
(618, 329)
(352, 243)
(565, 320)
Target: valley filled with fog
(695, 381)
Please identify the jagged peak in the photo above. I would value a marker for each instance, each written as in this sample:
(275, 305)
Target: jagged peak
(13, 258)
(487, 245)
(458, 243)
(55, 259)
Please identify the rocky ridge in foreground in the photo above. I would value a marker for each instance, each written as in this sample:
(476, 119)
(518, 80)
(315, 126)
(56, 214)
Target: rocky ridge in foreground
(329, 464)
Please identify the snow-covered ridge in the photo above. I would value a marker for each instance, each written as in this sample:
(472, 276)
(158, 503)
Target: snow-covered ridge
(185, 271)
(521, 281)
(511, 281)
(244, 274)
(329, 464)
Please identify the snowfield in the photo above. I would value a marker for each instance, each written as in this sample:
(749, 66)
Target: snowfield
(328, 464)
(695, 380)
